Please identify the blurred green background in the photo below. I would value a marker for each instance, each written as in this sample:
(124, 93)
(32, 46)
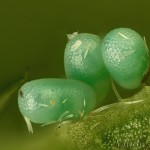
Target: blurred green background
(33, 38)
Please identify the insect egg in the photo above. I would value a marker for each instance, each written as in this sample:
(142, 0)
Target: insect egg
(83, 61)
(126, 57)
(55, 100)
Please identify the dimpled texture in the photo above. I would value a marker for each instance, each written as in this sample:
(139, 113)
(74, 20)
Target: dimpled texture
(83, 61)
(52, 100)
(122, 126)
(126, 57)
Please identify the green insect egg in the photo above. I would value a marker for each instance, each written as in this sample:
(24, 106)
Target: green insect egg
(126, 57)
(55, 100)
(83, 61)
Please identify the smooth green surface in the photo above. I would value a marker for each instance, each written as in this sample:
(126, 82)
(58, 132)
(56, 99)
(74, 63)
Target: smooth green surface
(83, 61)
(126, 57)
(55, 100)
(121, 126)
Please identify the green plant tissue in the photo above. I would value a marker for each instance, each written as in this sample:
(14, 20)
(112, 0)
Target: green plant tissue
(121, 126)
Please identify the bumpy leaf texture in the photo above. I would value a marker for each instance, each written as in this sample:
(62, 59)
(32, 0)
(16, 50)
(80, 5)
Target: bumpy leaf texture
(121, 126)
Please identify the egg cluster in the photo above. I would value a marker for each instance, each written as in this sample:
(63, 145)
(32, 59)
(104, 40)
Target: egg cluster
(90, 64)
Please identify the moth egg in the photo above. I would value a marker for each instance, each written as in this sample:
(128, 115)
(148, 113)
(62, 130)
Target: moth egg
(83, 61)
(55, 100)
(126, 57)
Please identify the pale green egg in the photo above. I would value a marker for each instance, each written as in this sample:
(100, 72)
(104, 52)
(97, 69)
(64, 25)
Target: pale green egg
(83, 61)
(126, 57)
(55, 100)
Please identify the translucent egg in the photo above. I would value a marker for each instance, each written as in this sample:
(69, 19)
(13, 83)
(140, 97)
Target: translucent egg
(55, 100)
(126, 57)
(83, 61)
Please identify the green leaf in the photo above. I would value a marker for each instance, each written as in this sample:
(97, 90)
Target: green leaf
(7, 93)
(124, 125)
